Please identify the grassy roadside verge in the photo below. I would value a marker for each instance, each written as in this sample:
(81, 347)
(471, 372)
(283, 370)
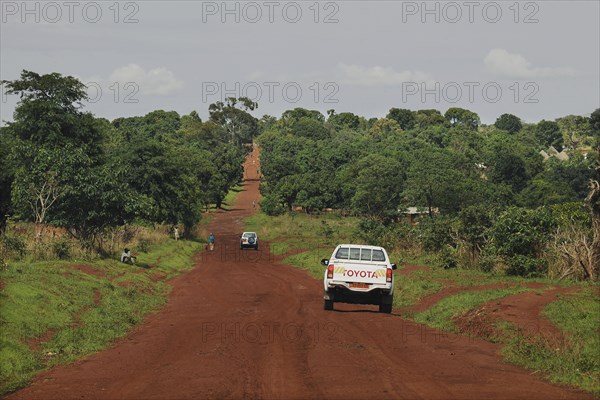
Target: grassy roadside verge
(575, 362)
(54, 312)
(302, 231)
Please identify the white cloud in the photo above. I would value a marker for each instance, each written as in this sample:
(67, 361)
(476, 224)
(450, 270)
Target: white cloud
(379, 76)
(501, 62)
(158, 81)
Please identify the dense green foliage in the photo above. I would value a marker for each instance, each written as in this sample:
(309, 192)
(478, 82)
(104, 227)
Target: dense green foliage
(491, 198)
(62, 166)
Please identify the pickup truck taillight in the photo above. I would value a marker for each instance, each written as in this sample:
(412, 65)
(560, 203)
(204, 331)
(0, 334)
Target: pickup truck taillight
(330, 271)
(388, 275)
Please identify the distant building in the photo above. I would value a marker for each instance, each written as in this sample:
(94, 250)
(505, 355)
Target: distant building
(552, 152)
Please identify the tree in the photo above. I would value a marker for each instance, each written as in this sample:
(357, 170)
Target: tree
(426, 118)
(508, 167)
(548, 134)
(405, 118)
(384, 127)
(432, 181)
(7, 173)
(48, 112)
(297, 113)
(574, 129)
(509, 123)
(344, 120)
(51, 135)
(309, 128)
(39, 185)
(238, 122)
(461, 117)
(505, 162)
(595, 123)
(267, 122)
(96, 198)
(378, 182)
(191, 124)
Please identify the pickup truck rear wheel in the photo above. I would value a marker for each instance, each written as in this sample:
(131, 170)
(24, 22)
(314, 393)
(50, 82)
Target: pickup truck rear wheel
(385, 308)
(328, 305)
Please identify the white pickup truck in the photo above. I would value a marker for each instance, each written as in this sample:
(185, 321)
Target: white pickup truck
(359, 274)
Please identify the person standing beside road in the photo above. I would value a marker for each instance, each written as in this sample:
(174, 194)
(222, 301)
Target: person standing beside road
(176, 233)
(211, 242)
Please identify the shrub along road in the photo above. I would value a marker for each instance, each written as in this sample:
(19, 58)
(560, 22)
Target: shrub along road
(242, 325)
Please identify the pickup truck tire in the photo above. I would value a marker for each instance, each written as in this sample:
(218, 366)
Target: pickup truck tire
(385, 308)
(328, 305)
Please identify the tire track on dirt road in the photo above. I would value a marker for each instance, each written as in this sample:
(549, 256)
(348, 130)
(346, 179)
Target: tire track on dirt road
(242, 325)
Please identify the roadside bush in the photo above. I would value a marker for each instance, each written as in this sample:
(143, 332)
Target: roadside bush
(406, 238)
(272, 206)
(144, 245)
(62, 249)
(448, 258)
(472, 230)
(370, 231)
(521, 231)
(326, 229)
(435, 233)
(520, 236)
(527, 267)
(13, 246)
(487, 263)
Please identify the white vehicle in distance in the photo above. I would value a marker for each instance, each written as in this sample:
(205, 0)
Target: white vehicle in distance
(249, 239)
(359, 274)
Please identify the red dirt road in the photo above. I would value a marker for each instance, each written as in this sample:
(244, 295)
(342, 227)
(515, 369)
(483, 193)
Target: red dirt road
(241, 325)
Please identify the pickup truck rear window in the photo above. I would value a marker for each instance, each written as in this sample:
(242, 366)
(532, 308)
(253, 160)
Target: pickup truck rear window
(365, 254)
(342, 253)
(378, 255)
(345, 253)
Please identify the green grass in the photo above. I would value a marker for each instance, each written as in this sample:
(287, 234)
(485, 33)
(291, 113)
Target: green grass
(231, 196)
(410, 289)
(302, 231)
(51, 313)
(578, 313)
(575, 361)
(310, 261)
(441, 315)
(277, 249)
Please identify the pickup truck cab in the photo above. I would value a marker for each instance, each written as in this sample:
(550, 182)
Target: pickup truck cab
(359, 274)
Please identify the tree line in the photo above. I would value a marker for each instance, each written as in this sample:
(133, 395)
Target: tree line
(63, 166)
(490, 197)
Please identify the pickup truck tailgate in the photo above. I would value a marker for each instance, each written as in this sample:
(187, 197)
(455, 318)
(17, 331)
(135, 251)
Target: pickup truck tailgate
(359, 273)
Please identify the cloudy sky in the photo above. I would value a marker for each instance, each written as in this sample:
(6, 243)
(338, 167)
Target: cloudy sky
(537, 60)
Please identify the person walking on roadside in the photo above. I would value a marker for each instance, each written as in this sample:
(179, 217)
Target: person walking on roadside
(211, 242)
(253, 203)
